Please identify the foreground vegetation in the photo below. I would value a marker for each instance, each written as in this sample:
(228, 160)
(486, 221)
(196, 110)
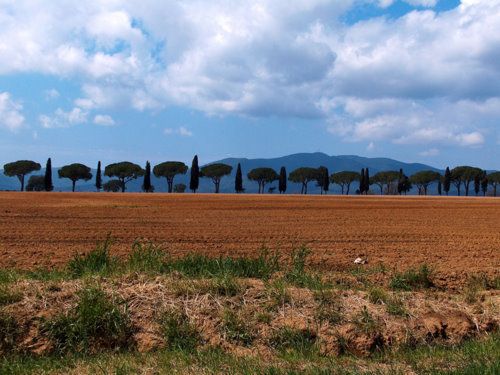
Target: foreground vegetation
(153, 313)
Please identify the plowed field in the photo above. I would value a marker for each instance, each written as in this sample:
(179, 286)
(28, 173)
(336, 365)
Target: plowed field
(453, 235)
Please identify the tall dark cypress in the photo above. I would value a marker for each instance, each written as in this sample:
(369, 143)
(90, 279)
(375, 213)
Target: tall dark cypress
(146, 185)
(367, 181)
(447, 180)
(440, 187)
(98, 177)
(238, 180)
(326, 180)
(362, 181)
(282, 181)
(194, 182)
(484, 184)
(47, 181)
(401, 181)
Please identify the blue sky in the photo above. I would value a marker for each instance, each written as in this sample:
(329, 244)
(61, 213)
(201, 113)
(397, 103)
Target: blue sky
(414, 80)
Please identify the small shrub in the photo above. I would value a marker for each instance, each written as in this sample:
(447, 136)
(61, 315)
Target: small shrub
(329, 307)
(377, 296)
(365, 322)
(235, 329)
(413, 279)
(179, 332)
(96, 321)
(97, 261)
(9, 332)
(301, 341)
(7, 296)
(146, 257)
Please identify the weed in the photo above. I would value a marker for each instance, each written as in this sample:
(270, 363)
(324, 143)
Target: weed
(395, 306)
(225, 285)
(9, 332)
(278, 293)
(8, 276)
(96, 321)
(413, 279)
(329, 307)
(365, 322)
(179, 333)
(264, 317)
(235, 329)
(97, 261)
(298, 276)
(146, 257)
(377, 296)
(44, 274)
(7, 296)
(301, 341)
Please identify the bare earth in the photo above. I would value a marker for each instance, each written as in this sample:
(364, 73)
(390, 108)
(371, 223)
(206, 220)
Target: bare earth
(455, 236)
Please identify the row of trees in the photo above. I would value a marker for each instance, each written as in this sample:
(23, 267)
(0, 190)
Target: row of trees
(388, 182)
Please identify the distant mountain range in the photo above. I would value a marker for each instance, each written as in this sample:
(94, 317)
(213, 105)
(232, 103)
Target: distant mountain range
(290, 162)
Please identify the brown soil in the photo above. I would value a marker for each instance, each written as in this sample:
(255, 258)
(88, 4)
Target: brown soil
(455, 236)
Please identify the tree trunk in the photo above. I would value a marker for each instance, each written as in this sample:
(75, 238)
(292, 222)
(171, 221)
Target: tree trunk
(348, 188)
(21, 180)
(467, 189)
(123, 185)
(74, 184)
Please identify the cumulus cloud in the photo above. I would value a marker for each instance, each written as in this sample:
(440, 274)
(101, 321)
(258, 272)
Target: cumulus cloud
(104, 120)
(63, 119)
(11, 116)
(423, 77)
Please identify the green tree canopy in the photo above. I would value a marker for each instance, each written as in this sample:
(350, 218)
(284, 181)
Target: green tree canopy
(75, 172)
(494, 181)
(385, 179)
(345, 179)
(216, 172)
(423, 179)
(262, 176)
(169, 170)
(124, 171)
(464, 175)
(112, 186)
(323, 179)
(20, 169)
(36, 183)
(303, 176)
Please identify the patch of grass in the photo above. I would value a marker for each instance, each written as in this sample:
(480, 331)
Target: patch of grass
(365, 322)
(97, 321)
(329, 307)
(236, 329)
(196, 265)
(7, 296)
(8, 276)
(278, 293)
(298, 275)
(45, 274)
(300, 341)
(179, 333)
(377, 296)
(413, 279)
(395, 306)
(146, 257)
(225, 285)
(9, 332)
(98, 261)
(263, 317)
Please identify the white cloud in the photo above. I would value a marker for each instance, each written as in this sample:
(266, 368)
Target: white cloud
(62, 119)
(104, 120)
(181, 130)
(430, 152)
(424, 77)
(11, 116)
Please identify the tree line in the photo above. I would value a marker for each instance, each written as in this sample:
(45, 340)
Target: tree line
(462, 178)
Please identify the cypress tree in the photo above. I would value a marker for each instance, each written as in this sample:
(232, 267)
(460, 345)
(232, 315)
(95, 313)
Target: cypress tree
(326, 180)
(194, 182)
(477, 184)
(47, 181)
(282, 180)
(238, 181)
(98, 177)
(367, 181)
(362, 181)
(447, 180)
(440, 187)
(146, 185)
(484, 184)
(401, 181)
